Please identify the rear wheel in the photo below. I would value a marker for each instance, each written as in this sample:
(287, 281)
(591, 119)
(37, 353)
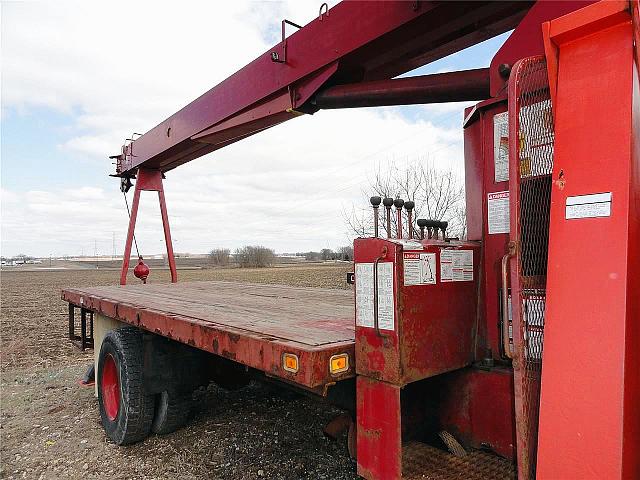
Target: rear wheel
(126, 409)
(172, 411)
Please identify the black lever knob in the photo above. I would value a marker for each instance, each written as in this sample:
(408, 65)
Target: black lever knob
(422, 223)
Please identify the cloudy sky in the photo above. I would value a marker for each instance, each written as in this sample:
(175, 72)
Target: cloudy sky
(80, 77)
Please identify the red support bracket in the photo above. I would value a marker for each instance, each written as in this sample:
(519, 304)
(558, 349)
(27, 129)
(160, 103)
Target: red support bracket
(148, 180)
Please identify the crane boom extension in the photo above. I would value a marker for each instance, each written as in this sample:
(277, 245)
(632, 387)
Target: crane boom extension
(351, 43)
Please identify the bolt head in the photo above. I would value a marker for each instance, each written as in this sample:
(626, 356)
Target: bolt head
(375, 201)
(398, 202)
(409, 205)
(422, 222)
(504, 69)
(387, 202)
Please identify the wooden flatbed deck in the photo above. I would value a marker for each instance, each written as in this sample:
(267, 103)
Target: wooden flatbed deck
(249, 323)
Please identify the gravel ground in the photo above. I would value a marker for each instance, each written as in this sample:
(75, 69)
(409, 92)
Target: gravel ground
(50, 425)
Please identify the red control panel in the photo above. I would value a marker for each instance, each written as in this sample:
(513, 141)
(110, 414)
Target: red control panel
(416, 307)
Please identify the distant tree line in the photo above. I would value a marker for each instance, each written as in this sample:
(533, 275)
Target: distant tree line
(342, 253)
(257, 256)
(251, 256)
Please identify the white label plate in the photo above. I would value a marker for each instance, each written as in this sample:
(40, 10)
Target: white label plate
(364, 295)
(456, 265)
(594, 205)
(501, 146)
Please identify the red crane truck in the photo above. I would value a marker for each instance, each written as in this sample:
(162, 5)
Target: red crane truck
(440, 343)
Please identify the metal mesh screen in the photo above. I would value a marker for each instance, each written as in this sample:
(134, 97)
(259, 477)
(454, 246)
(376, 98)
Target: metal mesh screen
(535, 140)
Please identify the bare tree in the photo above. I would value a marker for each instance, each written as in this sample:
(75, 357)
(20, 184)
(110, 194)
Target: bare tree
(327, 254)
(255, 257)
(345, 253)
(219, 256)
(438, 195)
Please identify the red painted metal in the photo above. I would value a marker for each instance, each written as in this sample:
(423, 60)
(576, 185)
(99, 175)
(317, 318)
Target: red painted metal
(390, 38)
(378, 429)
(480, 150)
(476, 406)
(527, 40)
(110, 387)
(249, 324)
(148, 180)
(441, 87)
(142, 270)
(432, 334)
(590, 382)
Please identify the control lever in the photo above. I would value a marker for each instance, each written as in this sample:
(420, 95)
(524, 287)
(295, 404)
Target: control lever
(432, 227)
(443, 227)
(375, 202)
(398, 202)
(422, 223)
(409, 205)
(388, 203)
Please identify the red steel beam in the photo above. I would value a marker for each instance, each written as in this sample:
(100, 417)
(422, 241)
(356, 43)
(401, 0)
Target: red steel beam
(438, 88)
(353, 42)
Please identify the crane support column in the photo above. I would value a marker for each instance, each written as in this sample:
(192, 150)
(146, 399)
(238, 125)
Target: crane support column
(589, 417)
(148, 180)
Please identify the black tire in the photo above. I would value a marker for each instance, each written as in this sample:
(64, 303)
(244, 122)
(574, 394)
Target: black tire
(172, 411)
(132, 422)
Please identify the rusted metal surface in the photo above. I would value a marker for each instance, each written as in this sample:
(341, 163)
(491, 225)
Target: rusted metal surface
(247, 323)
(531, 164)
(476, 405)
(421, 461)
(378, 423)
(458, 86)
(432, 333)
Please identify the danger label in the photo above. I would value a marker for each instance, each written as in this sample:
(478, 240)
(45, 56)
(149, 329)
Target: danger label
(498, 212)
(365, 295)
(419, 268)
(456, 265)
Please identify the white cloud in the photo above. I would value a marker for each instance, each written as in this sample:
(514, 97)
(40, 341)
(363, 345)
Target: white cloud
(120, 68)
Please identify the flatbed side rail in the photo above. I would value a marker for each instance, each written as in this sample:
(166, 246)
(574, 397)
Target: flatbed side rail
(253, 349)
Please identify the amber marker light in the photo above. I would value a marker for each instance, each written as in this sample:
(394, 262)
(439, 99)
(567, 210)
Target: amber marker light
(339, 363)
(290, 362)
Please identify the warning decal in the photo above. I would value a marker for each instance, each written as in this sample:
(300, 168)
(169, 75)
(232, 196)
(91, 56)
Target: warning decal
(419, 268)
(456, 265)
(501, 146)
(588, 206)
(498, 212)
(364, 295)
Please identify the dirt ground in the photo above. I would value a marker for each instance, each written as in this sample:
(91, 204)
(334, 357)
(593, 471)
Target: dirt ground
(50, 425)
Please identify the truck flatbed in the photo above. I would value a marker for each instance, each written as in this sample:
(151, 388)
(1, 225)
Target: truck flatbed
(252, 324)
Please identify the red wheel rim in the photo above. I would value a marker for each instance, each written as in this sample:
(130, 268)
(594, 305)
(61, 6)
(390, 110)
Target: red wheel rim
(110, 387)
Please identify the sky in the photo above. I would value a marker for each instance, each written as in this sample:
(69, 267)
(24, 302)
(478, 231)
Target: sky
(78, 78)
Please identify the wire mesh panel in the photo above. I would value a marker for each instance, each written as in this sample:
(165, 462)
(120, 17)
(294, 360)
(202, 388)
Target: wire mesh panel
(531, 157)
